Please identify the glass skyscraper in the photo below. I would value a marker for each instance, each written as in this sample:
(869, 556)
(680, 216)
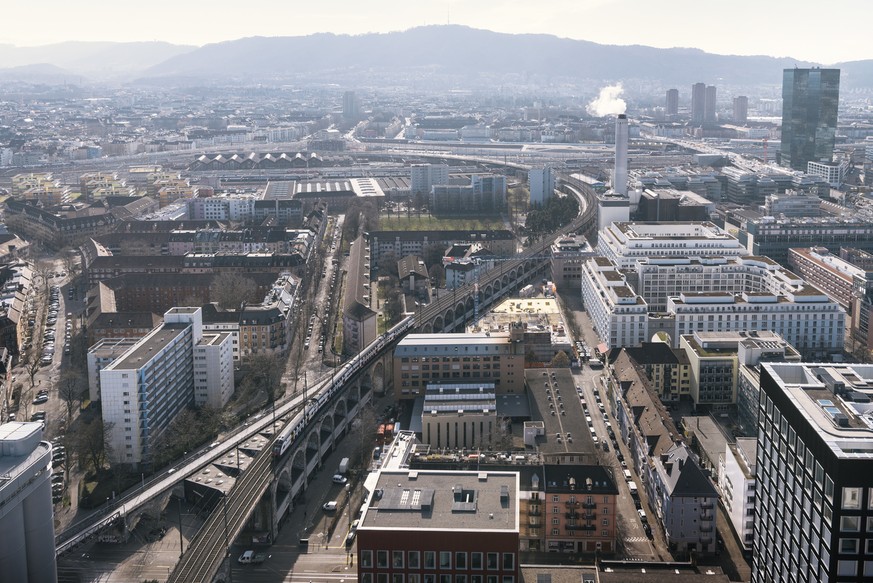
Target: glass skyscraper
(810, 99)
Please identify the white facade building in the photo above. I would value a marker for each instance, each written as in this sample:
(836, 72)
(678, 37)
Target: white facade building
(736, 484)
(619, 315)
(542, 185)
(423, 176)
(27, 550)
(213, 369)
(144, 389)
(625, 242)
(805, 317)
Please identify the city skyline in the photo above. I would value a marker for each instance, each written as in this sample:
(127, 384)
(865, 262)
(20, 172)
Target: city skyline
(745, 29)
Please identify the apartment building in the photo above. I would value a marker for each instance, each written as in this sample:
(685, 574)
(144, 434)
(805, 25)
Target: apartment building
(569, 252)
(359, 320)
(737, 486)
(681, 495)
(144, 389)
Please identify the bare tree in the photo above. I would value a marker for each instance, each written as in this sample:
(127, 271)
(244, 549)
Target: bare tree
(30, 362)
(265, 374)
(93, 443)
(231, 290)
(71, 389)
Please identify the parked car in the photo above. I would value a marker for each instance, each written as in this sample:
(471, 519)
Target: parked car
(329, 506)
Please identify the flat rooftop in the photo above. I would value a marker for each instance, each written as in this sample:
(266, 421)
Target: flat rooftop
(139, 354)
(443, 500)
(835, 399)
(548, 390)
(453, 340)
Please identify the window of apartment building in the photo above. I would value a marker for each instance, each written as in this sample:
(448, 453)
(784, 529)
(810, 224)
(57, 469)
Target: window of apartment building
(397, 578)
(413, 578)
(555, 510)
(508, 561)
(366, 578)
(430, 559)
(556, 521)
(445, 559)
(381, 559)
(429, 578)
(508, 579)
(605, 522)
(414, 562)
(397, 559)
(476, 562)
(493, 564)
(555, 532)
(445, 579)
(460, 579)
(381, 577)
(475, 578)
(460, 560)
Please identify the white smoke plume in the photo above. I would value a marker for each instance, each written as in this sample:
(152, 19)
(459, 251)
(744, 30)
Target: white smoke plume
(609, 102)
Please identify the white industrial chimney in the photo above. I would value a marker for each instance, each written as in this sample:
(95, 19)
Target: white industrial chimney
(619, 176)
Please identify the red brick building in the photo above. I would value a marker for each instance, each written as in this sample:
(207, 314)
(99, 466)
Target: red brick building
(432, 526)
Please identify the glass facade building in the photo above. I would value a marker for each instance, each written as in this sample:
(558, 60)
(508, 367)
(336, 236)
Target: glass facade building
(810, 100)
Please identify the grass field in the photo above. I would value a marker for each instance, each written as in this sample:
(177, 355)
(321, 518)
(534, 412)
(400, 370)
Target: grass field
(400, 222)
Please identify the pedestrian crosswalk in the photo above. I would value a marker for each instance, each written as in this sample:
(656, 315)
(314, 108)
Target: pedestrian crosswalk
(635, 539)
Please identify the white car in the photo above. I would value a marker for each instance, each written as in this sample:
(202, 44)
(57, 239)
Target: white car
(339, 479)
(329, 506)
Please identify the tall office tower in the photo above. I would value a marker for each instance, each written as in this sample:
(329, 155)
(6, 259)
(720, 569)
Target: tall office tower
(542, 185)
(350, 106)
(741, 109)
(709, 104)
(27, 550)
(814, 498)
(619, 176)
(672, 102)
(810, 100)
(698, 102)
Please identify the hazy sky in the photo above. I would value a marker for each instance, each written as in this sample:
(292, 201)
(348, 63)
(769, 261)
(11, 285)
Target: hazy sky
(803, 29)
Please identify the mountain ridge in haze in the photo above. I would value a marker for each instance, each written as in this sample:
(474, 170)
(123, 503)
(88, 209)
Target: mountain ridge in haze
(417, 55)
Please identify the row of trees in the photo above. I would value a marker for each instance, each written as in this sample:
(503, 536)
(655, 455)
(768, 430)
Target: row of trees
(557, 212)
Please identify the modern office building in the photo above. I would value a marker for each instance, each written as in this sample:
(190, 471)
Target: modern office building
(619, 315)
(698, 102)
(542, 185)
(773, 237)
(351, 107)
(792, 204)
(814, 494)
(741, 109)
(424, 526)
(486, 194)
(27, 549)
(834, 173)
(144, 389)
(810, 102)
(619, 174)
(624, 242)
(710, 114)
(424, 359)
(671, 105)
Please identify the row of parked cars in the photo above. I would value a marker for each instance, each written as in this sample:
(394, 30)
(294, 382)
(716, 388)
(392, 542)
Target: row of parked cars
(59, 458)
